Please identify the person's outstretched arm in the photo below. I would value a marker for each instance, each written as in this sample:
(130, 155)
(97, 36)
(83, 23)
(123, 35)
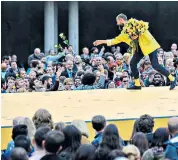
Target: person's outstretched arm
(111, 42)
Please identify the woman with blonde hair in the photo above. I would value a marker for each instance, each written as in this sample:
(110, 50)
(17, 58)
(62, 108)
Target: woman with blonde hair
(30, 126)
(42, 117)
(82, 127)
(132, 152)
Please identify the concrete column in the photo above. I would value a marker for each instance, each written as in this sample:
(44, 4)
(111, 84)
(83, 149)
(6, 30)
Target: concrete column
(56, 34)
(50, 25)
(74, 25)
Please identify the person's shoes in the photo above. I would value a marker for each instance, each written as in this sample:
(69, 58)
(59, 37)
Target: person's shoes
(134, 88)
(173, 84)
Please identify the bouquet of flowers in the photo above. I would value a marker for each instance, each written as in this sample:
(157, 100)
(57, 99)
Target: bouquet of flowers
(65, 41)
(134, 28)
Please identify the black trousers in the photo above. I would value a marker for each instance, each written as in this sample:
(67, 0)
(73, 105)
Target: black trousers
(138, 55)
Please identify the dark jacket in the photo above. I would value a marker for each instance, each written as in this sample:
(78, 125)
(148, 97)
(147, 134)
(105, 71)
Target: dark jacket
(172, 148)
(33, 57)
(50, 157)
(65, 73)
(54, 87)
(100, 85)
(97, 139)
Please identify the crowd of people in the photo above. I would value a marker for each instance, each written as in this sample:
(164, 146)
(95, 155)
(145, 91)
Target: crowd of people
(93, 69)
(40, 139)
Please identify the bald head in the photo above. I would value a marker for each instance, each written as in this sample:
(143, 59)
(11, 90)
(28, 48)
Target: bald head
(37, 51)
(173, 125)
(3, 66)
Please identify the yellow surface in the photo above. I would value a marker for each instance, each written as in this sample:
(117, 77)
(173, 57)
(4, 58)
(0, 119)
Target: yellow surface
(117, 104)
(125, 130)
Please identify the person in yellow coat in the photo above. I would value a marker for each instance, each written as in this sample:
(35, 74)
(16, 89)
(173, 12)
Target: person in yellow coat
(147, 45)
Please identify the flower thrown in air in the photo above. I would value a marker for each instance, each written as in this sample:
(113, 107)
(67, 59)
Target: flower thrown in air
(61, 35)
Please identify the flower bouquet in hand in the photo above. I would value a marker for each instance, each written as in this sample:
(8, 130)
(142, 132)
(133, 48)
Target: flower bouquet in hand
(134, 28)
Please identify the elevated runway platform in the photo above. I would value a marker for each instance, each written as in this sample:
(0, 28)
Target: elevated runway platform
(119, 106)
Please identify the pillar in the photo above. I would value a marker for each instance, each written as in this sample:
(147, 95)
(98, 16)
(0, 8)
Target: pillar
(74, 25)
(50, 25)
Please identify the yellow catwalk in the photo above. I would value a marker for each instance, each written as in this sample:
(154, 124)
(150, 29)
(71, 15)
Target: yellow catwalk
(119, 106)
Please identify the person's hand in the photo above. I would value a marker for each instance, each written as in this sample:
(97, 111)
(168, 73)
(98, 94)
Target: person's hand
(101, 68)
(97, 42)
(59, 71)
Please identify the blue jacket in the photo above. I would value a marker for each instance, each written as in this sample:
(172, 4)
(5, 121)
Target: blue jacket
(54, 58)
(172, 148)
(97, 139)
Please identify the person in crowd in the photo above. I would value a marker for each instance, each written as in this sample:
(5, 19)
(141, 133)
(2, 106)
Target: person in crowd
(69, 71)
(3, 70)
(20, 85)
(88, 81)
(135, 129)
(3, 86)
(19, 153)
(16, 131)
(60, 126)
(111, 85)
(22, 73)
(120, 63)
(82, 126)
(172, 145)
(69, 50)
(72, 141)
(98, 124)
(85, 56)
(158, 80)
(132, 152)
(124, 82)
(53, 57)
(14, 68)
(95, 52)
(174, 48)
(127, 58)
(140, 141)
(145, 125)
(5, 59)
(157, 150)
(116, 153)
(30, 126)
(68, 84)
(11, 88)
(35, 56)
(78, 64)
(85, 152)
(53, 145)
(110, 141)
(77, 82)
(39, 137)
(42, 117)
(24, 142)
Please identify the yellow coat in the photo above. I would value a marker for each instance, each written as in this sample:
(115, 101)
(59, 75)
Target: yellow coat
(147, 42)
